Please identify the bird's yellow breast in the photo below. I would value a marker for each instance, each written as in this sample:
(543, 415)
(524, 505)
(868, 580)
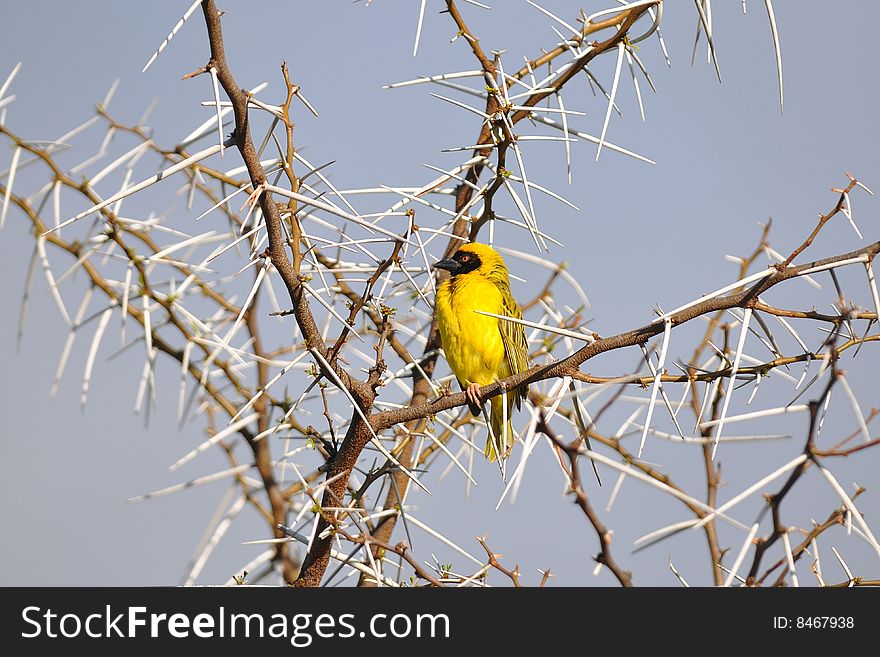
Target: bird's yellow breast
(472, 342)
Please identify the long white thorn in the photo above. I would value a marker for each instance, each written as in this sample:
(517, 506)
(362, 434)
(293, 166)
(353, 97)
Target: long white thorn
(180, 166)
(843, 565)
(174, 30)
(848, 503)
(8, 195)
(268, 385)
(588, 338)
(781, 410)
(667, 331)
(620, 50)
(205, 127)
(418, 523)
(787, 544)
(742, 555)
(777, 51)
(855, 404)
(566, 141)
(213, 440)
(704, 20)
(835, 265)
(339, 556)
(231, 472)
(25, 297)
(717, 293)
(184, 375)
(573, 30)
(128, 156)
(68, 344)
(50, 279)
(747, 315)
(658, 535)
(335, 211)
(93, 352)
(590, 138)
(215, 83)
(126, 293)
(434, 78)
(331, 373)
(873, 284)
(791, 465)
(637, 474)
(5, 86)
(419, 28)
(244, 307)
(217, 533)
(462, 105)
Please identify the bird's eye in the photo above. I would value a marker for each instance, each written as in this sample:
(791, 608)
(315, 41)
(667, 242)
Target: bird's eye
(465, 258)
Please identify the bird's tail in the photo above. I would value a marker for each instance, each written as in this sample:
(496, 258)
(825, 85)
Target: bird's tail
(503, 435)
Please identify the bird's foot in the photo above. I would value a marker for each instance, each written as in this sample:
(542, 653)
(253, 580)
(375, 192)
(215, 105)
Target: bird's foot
(475, 404)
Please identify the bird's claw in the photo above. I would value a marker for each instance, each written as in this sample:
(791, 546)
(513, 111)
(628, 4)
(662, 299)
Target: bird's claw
(475, 403)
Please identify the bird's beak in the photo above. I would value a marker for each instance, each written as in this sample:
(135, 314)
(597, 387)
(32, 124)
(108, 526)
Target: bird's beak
(450, 265)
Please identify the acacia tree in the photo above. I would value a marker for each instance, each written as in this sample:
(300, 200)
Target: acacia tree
(330, 465)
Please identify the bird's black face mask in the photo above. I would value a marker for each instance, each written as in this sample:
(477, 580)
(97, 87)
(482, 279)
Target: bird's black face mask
(461, 263)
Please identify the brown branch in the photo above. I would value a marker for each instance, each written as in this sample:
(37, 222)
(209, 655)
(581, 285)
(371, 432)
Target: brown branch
(497, 565)
(365, 297)
(569, 366)
(84, 188)
(823, 219)
(774, 501)
(545, 576)
(836, 518)
(421, 389)
(855, 581)
(262, 459)
(401, 549)
(501, 121)
(359, 434)
(243, 141)
(277, 253)
(549, 55)
(365, 538)
(260, 449)
(473, 41)
(713, 480)
(572, 451)
(743, 271)
(339, 470)
(711, 470)
(846, 452)
(623, 21)
(375, 316)
(812, 314)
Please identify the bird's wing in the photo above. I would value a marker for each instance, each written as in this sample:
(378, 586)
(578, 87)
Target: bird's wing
(513, 336)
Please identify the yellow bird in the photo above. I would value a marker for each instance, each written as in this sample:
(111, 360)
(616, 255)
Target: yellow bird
(481, 349)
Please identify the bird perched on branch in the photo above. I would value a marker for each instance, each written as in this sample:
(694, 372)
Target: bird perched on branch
(481, 349)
